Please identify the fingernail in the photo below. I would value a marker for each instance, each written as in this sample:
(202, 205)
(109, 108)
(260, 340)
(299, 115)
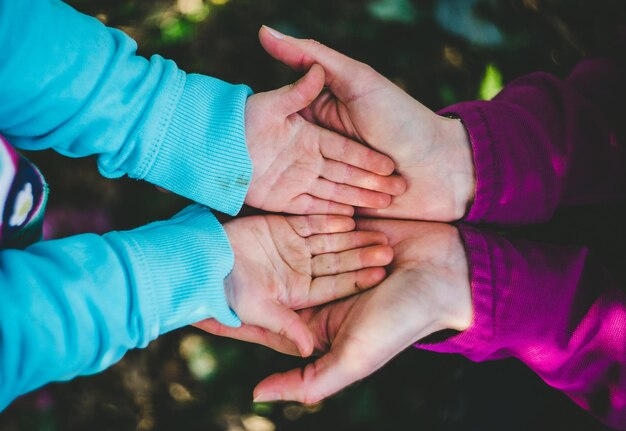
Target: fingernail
(275, 33)
(266, 397)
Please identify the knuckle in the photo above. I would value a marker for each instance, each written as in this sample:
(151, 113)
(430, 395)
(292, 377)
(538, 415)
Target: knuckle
(313, 43)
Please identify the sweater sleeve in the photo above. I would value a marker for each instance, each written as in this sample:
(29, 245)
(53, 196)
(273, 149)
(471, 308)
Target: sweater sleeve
(543, 142)
(74, 306)
(554, 308)
(69, 83)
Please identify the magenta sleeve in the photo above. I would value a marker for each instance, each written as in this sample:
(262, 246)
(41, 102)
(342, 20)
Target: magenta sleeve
(544, 142)
(556, 309)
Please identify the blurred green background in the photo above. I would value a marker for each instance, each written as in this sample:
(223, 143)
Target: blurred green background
(439, 51)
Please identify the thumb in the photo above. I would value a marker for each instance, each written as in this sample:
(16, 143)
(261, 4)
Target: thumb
(318, 380)
(303, 92)
(288, 324)
(250, 334)
(342, 72)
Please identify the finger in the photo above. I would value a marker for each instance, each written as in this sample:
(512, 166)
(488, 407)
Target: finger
(332, 287)
(333, 243)
(306, 226)
(316, 381)
(394, 211)
(399, 230)
(301, 54)
(351, 260)
(345, 150)
(249, 334)
(307, 204)
(303, 92)
(286, 323)
(345, 194)
(347, 174)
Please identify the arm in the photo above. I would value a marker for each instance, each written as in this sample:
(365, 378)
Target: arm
(555, 309)
(552, 307)
(543, 143)
(69, 83)
(75, 306)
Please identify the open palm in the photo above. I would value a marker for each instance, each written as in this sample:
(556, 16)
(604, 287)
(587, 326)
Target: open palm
(431, 152)
(302, 168)
(288, 263)
(427, 290)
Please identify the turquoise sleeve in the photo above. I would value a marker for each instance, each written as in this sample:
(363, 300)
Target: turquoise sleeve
(69, 83)
(74, 306)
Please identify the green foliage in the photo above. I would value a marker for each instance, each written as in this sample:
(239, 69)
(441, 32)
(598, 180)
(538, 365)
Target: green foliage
(177, 29)
(401, 11)
(491, 84)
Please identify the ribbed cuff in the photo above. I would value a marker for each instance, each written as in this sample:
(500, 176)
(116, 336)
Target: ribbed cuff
(204, 155)
(178, 269)
(473, 341)
(486, 195)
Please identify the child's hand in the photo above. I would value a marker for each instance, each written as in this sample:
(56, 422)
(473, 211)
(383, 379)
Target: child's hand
(288, 263)
(427, 290)
(301, 168)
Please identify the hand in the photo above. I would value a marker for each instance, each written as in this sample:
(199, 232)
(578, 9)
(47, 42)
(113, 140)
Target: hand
(431, 152)
(427, 291)
(301, 168)
(288, 263)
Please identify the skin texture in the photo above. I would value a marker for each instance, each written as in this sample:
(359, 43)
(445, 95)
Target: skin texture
(289, 263)
(431, 153)
(302, 168)
(427, 290)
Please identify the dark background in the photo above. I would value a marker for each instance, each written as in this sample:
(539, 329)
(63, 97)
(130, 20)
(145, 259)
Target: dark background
(441, 52)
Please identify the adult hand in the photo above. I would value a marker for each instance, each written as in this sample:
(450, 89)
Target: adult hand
(431, 152)
(427, 291)
(288, 263)
(302, 168)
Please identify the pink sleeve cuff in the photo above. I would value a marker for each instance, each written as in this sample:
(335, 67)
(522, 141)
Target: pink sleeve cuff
(481, 332)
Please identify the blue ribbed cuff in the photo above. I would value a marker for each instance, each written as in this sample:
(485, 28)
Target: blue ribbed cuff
(204, 155)
(178, 268)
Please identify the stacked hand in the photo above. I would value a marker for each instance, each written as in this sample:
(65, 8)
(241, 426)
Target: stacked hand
(288, 263)
(302, 168)
(336, 143)
(430, 152)
(427, 290)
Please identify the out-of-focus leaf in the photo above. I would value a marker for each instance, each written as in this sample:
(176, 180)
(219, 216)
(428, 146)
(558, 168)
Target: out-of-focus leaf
(459, 17)
(194, 10)
(200, 358)
(491, 84)
(262, 408)
(393, 10)
(177, 30)
(447, 94)
(257, 423)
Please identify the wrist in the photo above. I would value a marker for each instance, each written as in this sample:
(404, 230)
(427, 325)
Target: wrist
(456, 298)
(453, 136)
(230, 279)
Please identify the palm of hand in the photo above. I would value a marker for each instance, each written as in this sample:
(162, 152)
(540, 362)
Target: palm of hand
(288, 263)
(276, 257)
(423, 145)
(302, 168)
(430, 152)
(286, 174)
(363, 332)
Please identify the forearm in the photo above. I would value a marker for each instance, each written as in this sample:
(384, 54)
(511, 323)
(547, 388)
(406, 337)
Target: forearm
(75, 306)
(554, 308)
(543, 143)
(69, 83)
